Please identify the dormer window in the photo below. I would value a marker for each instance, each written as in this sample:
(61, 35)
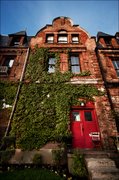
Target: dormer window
(49, 38)
(108, 41)
(75, 38)
(16, 41)
(62, 36)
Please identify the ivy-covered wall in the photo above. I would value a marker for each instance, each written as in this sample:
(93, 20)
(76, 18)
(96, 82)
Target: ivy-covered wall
(43, 108)
(7, 92)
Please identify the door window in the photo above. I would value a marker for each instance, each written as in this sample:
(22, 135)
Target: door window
(88, 115)
(75, 116)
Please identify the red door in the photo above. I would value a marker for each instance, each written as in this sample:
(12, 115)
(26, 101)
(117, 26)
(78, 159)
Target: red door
(83, 125)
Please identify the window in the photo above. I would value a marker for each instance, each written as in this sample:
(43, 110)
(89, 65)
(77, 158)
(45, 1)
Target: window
(8, 62)
(108, 41)
(74, 64)
(115, 61)
(62, 36)
(6, 65)
(16, 41)
(49, 38)
(88, 115)
(75, 38)
(51, 65)
(76, 116)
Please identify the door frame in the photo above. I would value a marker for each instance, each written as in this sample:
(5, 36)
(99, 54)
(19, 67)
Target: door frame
(89, 106)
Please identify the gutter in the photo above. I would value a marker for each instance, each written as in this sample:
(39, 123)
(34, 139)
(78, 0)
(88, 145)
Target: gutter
(17, 94)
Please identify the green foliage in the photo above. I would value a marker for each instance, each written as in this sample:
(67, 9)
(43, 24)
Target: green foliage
(5, 156)
(43, 108)
(58, 156)
(37, 159)
(30, 174)
(8, 142)
(7, 92)
(78, 167)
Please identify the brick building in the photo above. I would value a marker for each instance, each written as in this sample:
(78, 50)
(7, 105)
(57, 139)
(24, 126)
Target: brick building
(108, 56)
(91, 121)
(14, 50)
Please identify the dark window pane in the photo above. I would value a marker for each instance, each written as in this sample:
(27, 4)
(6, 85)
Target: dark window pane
(118, 73)
(88, 116)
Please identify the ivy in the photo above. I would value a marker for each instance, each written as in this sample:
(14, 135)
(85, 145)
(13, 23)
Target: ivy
(7, 92)
(43, 108)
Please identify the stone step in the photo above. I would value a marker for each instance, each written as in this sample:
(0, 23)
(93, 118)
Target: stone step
(97, 175)
(106, 170)
(99, 162)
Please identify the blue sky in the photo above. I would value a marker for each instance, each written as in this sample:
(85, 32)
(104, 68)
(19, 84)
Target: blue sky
(92, 15)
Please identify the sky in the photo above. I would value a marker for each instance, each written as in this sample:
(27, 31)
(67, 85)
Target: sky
(91, 15)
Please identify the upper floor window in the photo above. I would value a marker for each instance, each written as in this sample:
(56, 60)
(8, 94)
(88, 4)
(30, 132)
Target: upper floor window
(108, 41)
(51, 64)
(62, 36)
(74, 63)
(115, 62)
(75, 38)
(15, 41)
(50, 38)
(6, 65)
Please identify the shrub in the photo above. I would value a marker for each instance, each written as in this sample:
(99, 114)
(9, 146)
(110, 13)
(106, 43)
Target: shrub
(37, 159)
(58, 156)
(78, 168)
(8, 142)
(5, 156)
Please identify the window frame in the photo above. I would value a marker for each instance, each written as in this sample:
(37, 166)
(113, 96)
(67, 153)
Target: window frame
(16, 41)
(49, 41)
(51, 64)
(74, 36)
(115, 64)
(75, 64)
(7, 64)
(62, 34)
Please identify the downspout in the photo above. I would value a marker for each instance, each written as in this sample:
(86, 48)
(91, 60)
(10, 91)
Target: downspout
(17, 94)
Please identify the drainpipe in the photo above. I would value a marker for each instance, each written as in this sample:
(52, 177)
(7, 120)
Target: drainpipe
(17, 94)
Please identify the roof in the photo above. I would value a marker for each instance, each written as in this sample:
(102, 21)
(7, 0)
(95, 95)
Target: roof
(102, 34)
(20, 33)
(4, 40)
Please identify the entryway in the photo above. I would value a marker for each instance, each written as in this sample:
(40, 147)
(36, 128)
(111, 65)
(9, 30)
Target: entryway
(84, 127)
